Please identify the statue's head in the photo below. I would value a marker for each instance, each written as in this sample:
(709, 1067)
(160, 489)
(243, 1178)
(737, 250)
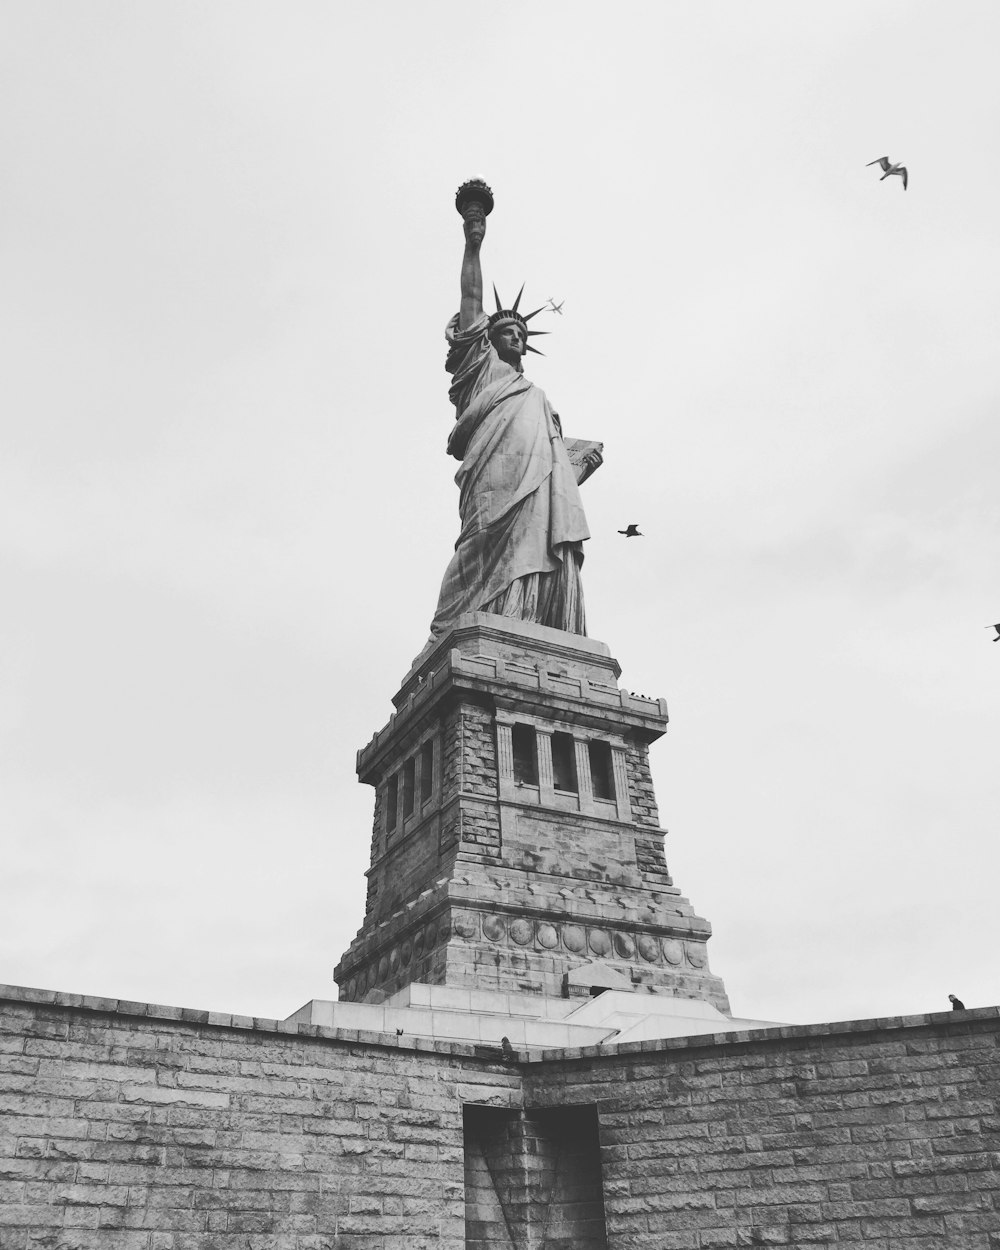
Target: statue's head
(509, 340)
(509, 331)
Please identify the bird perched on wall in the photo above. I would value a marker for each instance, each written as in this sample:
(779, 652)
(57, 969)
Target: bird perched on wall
(890, 168)
(997, 628)
(632, 532)
(956, 1003)
(508, 1051)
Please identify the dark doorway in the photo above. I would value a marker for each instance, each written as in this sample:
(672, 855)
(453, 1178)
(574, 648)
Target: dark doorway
(533, 1179)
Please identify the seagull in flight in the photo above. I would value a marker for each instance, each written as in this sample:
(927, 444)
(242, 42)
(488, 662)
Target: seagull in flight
(632, 532)
(889, 168)
(556, 307)
(997, 628)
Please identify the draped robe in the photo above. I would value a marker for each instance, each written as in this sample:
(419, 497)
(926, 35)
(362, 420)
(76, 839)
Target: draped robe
(522, 524)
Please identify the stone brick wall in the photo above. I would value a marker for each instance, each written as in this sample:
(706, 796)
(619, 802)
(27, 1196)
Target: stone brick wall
(650, 859)
(882, 1134)
(404, 871)
(378, 846)
(480, 828)
(479, 751)
(640, 785)
(470, 766)
(451, 754)
(198, 1132)
(565, 846)
(145, 1128)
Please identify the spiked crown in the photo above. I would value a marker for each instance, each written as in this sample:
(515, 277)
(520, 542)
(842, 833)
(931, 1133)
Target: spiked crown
(503, 315)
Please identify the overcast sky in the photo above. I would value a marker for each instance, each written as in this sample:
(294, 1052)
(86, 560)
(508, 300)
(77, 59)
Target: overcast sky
(228, 248)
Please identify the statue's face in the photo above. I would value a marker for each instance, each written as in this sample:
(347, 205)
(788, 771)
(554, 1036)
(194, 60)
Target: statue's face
(509, 342)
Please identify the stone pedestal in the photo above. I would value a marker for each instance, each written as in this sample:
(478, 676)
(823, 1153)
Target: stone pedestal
(516, 843)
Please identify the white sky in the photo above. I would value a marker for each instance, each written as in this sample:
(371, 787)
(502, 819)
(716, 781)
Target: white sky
(228, 248)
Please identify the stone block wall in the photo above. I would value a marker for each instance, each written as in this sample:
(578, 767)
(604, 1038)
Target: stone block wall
(470, 761)
(642, 795)
(878, 1134)
(650, 858)
(153, 1128)
(451, 754)
(478, 771)
(377, 845)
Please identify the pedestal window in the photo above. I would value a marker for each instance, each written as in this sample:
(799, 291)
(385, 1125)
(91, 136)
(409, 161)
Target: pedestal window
(525, 755)
(602, 777)
(391, 803)
(564, 763)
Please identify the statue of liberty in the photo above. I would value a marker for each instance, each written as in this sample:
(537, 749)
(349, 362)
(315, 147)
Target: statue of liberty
(520, 547)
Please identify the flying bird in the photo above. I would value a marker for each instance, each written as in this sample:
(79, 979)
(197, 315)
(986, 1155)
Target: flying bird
(889, 168)
(956, 1003)
(997, 628)
(556, 307)
(632, 532)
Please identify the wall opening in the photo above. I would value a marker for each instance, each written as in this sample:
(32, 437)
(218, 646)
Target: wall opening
(602, 776)
(563, 763)
(391, 803)
(409, 780)
(533, 1178)
(525, 757)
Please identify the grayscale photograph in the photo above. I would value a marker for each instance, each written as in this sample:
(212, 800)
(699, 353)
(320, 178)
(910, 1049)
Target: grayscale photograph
(500, 547)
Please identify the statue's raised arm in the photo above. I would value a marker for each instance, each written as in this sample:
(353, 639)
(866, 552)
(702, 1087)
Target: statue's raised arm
(473, 201)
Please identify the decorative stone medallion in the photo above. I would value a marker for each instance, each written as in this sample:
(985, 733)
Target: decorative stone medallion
(600, 942)
(574, 938)
(522, 932)
(649, 948)
(548, 937)
(493, 928)
(673, 951)
(464, 925)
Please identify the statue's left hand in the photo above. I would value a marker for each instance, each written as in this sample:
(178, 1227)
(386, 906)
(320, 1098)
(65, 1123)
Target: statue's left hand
(591, 462)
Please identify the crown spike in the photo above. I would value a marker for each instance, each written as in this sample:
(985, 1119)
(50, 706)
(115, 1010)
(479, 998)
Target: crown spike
(530, 334)
(518, 300)
(529, 348)
(528, 316)
(497, 297)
